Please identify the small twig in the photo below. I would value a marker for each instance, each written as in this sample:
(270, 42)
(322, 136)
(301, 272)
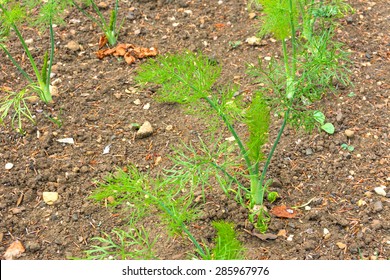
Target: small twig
(303, 205)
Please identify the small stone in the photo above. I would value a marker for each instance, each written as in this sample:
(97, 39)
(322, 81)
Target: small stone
(349, 20)
(290, 237)
(84, 169)
(307, 208)
(169, 127)
(339, 116)
(8, 165)
(50, 197)
(368, 194)
(252, 15)
(378, 206)
(341, 245)
(73, 46)
(376, 224)
(33, 246)
(102, 5)
(380, 191)
(349, 133)
(137, 102)
(309, 151)
(54, 91)
(130, 16)
(144, 131)
(361, 202)
(146, 106)
(253, 41)
(326, 233)
(75, 217)
(29, 41)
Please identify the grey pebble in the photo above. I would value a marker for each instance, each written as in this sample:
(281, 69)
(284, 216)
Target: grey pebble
(378, 206)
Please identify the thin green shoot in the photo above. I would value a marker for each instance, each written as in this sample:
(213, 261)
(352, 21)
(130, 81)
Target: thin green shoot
(109, 28)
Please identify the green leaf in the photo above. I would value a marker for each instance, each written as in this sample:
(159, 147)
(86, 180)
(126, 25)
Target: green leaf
(328, 128)
(351, 148)
(319, 117)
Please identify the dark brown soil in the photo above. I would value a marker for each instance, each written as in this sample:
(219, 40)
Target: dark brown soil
(96, 106)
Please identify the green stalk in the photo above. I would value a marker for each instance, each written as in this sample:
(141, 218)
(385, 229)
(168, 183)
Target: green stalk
(184, 228)
(290, 89)
(47, 94)
(31, 59)
(259, 196)
(244, 153)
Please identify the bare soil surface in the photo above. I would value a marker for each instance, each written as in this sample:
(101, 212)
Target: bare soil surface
(96, 107)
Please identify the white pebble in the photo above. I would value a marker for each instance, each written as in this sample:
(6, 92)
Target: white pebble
(380, 191)
(290, 237)
(9, 165)
(147, 106)
(326, 231)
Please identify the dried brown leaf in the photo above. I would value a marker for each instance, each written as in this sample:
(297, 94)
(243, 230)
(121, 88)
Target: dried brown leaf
(102, 41)
(264, 237)
(283, 212)
(129, 58)
(14, 250)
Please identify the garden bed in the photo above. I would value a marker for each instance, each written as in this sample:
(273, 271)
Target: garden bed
(98, 101)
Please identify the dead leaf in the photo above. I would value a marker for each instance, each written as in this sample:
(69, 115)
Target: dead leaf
(120, 50)
(283, 212)
(14, 250)
(129, 52)
(143, 52)
(129, 58)
(102, 41)
(264, 237)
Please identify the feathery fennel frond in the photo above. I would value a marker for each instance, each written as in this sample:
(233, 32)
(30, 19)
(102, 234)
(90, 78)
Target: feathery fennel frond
(183, 78)
(257, 119)
(276, 20)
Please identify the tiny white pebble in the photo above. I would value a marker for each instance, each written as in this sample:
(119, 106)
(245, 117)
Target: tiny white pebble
(326, 231)
(147, 106)
(9, 165)
(380, 191)
(290, 237)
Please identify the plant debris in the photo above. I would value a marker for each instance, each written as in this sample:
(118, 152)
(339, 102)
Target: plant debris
(283, 212)
(129, 52)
